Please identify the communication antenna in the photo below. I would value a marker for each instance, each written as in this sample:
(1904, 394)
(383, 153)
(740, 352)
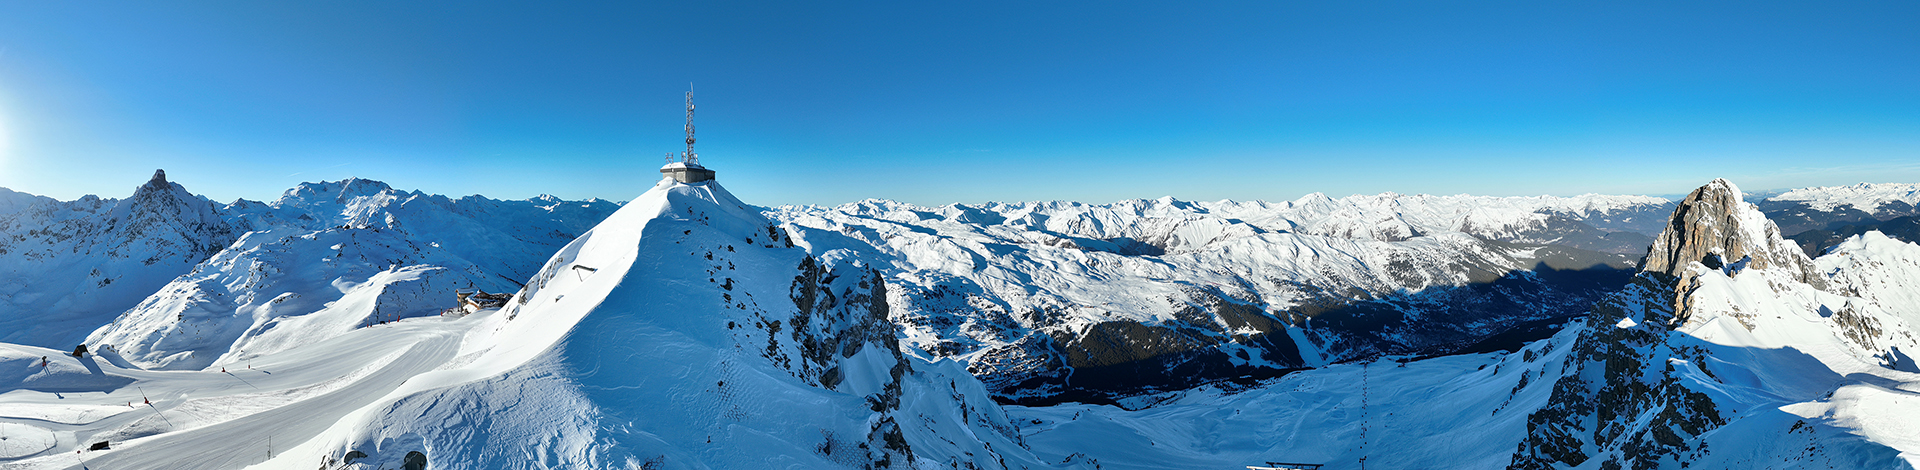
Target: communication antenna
(690, 157)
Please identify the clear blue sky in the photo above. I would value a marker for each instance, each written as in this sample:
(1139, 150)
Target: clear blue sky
(937, 102)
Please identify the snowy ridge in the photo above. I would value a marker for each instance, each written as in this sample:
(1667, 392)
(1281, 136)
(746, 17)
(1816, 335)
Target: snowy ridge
(68, 267)
(1866, 197)
(617, 355)
(13, 201)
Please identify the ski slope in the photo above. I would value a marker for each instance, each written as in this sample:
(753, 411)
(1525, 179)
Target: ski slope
(616, 355)
(212, 419)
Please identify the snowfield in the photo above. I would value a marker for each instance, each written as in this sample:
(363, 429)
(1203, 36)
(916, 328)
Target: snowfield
(688, 329)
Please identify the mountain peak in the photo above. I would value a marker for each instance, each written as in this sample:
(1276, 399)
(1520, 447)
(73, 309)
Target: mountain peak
(1715, 227)
(156, 184)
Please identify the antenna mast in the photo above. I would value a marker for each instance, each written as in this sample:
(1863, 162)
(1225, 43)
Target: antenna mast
(690, 157)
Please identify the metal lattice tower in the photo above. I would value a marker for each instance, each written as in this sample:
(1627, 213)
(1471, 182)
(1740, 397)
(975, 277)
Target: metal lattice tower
(688, 169)
(690, 157)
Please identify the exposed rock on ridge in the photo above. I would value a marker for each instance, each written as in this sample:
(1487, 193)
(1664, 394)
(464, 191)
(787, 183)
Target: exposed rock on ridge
(69, 266)
(1714, 227)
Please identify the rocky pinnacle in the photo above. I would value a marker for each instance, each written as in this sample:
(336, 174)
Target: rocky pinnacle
(1715, 228)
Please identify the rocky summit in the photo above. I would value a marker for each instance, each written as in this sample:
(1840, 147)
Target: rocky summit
(1715, 227)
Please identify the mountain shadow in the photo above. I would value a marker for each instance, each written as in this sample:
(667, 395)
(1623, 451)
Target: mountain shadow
(1111, 361)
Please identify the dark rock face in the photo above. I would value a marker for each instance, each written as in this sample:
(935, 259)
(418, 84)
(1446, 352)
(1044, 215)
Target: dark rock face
(1612, 400)
(841, 309)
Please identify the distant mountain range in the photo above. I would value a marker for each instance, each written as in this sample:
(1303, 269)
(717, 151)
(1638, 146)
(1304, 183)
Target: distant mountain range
(688, 329)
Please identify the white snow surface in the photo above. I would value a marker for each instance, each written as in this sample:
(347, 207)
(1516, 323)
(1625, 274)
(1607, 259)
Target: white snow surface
(633, 362)
(1866, 197)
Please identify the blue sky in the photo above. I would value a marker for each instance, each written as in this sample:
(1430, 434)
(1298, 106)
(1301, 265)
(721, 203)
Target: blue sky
(938, 102)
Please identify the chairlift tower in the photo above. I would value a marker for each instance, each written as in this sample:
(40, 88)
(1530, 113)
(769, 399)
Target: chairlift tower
(688, 169)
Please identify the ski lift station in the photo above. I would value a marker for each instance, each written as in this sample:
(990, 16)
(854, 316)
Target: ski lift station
(687, 172)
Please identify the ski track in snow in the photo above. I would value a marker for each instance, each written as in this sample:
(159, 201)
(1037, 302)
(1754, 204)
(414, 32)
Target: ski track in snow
(224, 420)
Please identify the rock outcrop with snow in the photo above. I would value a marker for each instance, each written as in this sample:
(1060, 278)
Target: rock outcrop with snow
(1702, 361)
(68, 267)
(1715, 226)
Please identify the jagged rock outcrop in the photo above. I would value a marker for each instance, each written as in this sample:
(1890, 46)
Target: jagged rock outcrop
(1647, 380)
(1715, 227)
(1621, 399)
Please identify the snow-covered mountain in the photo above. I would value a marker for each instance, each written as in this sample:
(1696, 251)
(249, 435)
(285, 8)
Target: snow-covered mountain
(690, 330)
(687, 331)
(172, 280)
(1864, 197)
(684, 331)
(68, 267)
(1819, 218)
(1052, 301)
(1698, 363)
